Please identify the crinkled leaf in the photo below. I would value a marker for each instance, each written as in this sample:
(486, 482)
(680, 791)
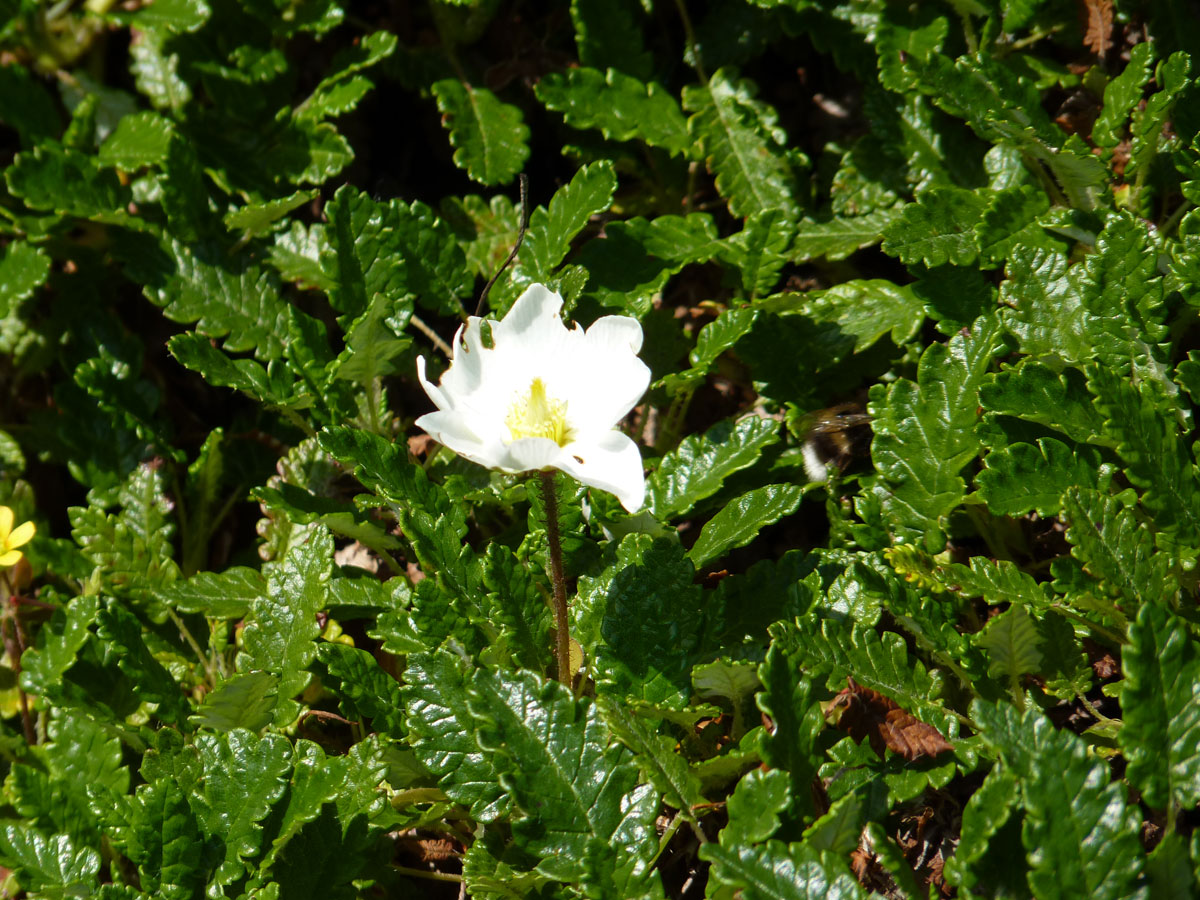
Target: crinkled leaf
(364, 688)
(23, 269)
(837, 238)
(66, 181)
(939, 228)
(743, 518)
(140, 140)
(1023, 477)
(778, 871)
(490, 138)
(246, 700)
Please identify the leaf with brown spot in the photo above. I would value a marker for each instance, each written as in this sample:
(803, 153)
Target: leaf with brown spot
(869, 714)
(1098, 15)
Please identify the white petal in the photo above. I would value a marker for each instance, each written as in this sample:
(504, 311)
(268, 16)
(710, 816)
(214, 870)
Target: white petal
(621, 333)
(529, 454)
(440, 400)
(611, 463)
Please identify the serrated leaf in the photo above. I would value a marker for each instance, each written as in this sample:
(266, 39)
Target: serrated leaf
(58, 643)
(341, 90)
(924, 435)
(490, 137)
(256, 218)
(939, 228)
(743, 145)
(758, 250)
(715, 338)
(362, 247)
(552, 229)
(1081, 837)
(270, 385)
(787, 698)
(867, 309)
(754, 807)
(26, 106)
(578, 790)
(1141, 421)
(619, 105)
(1035, 392)
(170, 16)
(1161, 712)
(297, 255)
(279, 634)
(840, 829)
(1121, 94)
(837, 649)
(243, 777)
(166, 842)
(236, 302)
(246, 700)
(1011, 219)
(743, 518)
(1045, 310)
(156, 72)
(1149, 122)
(23, 269)
(140, 140)
(639, 622)
(837, 238)
(699, 465)
(65, 181)
(1012, 645)
(778, 871)
(1023, 477)
(1115, 547)
(39, 862)
(986, 812)
(365, 689)
(655, 754)
(121, 631)
(441, 731)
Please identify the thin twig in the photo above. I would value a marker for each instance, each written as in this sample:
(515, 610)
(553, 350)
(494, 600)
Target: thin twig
(524, 183)
(433, 336)
(432, 876)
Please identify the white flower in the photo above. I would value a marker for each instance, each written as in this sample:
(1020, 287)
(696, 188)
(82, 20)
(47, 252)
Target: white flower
(543, 396)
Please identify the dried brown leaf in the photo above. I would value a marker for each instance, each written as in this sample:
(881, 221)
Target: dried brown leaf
(1098, 16)
(869, 714)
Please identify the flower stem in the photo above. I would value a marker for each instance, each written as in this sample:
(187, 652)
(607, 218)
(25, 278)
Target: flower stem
(562, 641)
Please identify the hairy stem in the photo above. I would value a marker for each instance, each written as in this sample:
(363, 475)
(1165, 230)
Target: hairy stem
(562, 639)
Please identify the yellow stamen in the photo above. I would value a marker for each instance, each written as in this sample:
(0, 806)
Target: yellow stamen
(537, 414)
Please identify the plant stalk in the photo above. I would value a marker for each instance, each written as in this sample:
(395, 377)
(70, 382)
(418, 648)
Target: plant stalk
(562, 638)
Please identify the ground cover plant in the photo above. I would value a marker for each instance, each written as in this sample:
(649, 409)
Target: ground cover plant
(905, 602)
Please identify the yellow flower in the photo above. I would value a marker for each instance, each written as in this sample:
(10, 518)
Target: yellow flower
(12, 538)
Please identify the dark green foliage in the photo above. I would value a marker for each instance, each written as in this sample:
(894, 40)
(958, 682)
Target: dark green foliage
(908, 608)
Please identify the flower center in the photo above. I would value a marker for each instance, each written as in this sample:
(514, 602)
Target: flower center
(537, 414)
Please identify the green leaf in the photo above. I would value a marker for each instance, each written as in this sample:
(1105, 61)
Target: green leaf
(939, 228)
(1115, 547)
(341, 90)
(838, 649)
(1121, 94)
(758, 251)
(490, 138)
(140, 140)
(1045, 311)
(243, 777)
(754, 807)
(58, 644)
(68, 182)
(924, 434)
(787, 698)
(655, 754)
(1035, 392)
(23, 269)
(236, 302)
(1012, 645)
(552, 229)
(1011, 220)
(1149, 122)
(986, 812)
(362, 249)
(246, 701)
(742, 144)
(297, 255)
(578, 791)
(256, 218)
(441, 731)
(517, 607)
(778, 871)
(172, 16)
(1081, 836)
(743, 518)
(696, 469)
(1023, 477)
(1142, 422)
(837, 238)
(156, 72)
(1160, 735)
(121, 631)
(374, 340)
(619, 105)
(364, 688)
(279, 634)
(41, 863)
(639, 622)
(867, 309)
(271, 386)
(715, 338)
(166, 842)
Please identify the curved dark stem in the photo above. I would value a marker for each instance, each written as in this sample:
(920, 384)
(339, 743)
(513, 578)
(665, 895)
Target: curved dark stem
(562, 639)
(524, 182)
